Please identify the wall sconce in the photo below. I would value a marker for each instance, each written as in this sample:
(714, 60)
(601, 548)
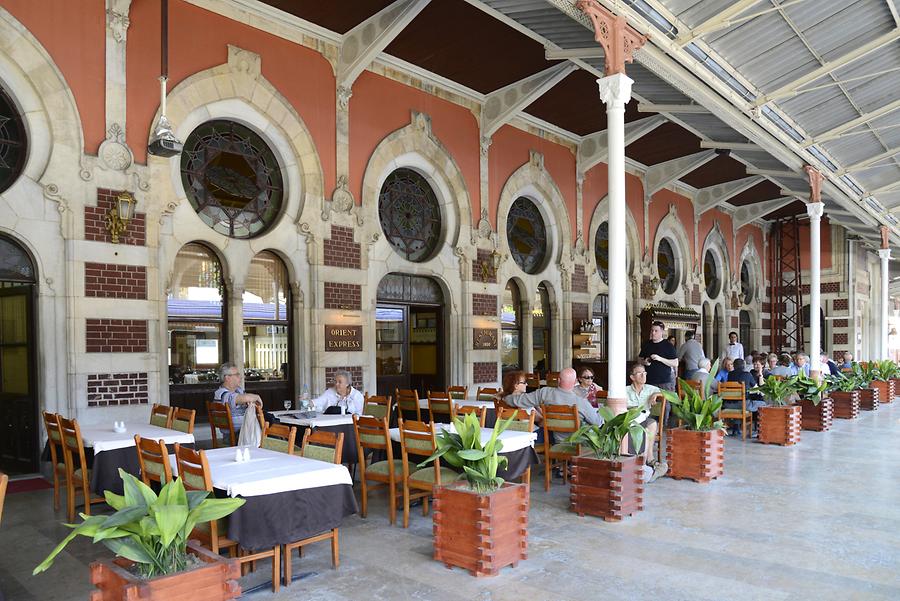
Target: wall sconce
(489, 265)
(119, 215)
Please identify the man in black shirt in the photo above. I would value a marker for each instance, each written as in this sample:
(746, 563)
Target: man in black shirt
(660, 358)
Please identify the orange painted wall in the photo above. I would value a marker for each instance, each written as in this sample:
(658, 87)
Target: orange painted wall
(380, 106)
(659, 208)
(594, 189)
(198, 40)
(824, 240)
(74, 36)
(753, 233)
(509, 151)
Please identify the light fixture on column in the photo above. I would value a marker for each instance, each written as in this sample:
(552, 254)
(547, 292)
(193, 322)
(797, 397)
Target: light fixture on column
(489, 265)
(119, 215)
(163, 143)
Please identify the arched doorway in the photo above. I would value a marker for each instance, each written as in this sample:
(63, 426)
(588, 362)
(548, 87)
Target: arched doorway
(409, 318)
(18, 398)
(718, 325)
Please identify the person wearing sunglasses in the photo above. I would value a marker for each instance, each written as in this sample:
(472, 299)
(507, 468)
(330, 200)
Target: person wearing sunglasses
(514, 386)
(586, 387)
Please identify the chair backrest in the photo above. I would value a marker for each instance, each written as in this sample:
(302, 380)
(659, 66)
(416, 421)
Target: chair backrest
(523, 420)
(408, 402)
(552, 378)
(161, 415)
(695, 384)
(220, 418)
(183, 419)
(533, 380)
(779, 378)
(193, 468)
(73, 446)
(439, 405)
(559, 418)
(379, 406)
(601, 395)
(417, 439)
(279, 437)
(458, 393)
(323, 445)
(372, 433)
(4, 482)
(487, 394)
(54, 436)
(481, 412)
(732, 391)
(153, 457)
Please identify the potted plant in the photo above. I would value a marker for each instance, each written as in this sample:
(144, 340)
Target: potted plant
(481, 523)
(779, 423)
(865, 374)
(696, 451)
(606, 483)
(885, 374)
(844, 393)
(149, 534)
(816, 409)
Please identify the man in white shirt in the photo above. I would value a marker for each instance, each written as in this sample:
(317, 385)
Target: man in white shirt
(734, 350)
(342, 395)
(643, 395)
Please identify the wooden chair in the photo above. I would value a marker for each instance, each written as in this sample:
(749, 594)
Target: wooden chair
(408, 403)
(193, 469)
(440, 407)
(77, 473)
(220, 419)
(523, 422)
(323, 446)
(458, 393)
(660, 426)
(735, 391)
(4, 482)
(552, 378)
(565, 420)
(153, 457)
(279, 437)
(417, 439)
(54, 442)
(379, 406)
(533, 380)
(183, 419)
(695, 384)
(373, 433)
(501, 404)
(461, 410)
(487, 394)
(161, 416)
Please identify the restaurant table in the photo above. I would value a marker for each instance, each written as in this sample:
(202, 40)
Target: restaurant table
(330, 423)
(518, 448)
(106, 451)
(288, 497)
(490, 415)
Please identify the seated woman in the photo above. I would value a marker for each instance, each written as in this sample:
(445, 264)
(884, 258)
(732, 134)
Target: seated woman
(232, 393)
(750, 381)
(726, 368)
(783, 368)
(514, 385)
(586, 388)
(342, 395)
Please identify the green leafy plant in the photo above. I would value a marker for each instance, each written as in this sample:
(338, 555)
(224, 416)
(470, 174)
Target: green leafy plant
(776, 391)
(842, 382)
(149, 529)
(696, 412)
(463, 449)
(606, 440)
(810, 389)
(865, 373)
(887, 370)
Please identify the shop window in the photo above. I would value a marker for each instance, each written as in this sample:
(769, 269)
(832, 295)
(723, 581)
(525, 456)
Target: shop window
(267, 319)
(511, 328)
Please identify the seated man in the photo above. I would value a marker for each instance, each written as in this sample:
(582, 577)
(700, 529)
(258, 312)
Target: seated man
(341, 395)
(641, 394)
(828, 367)
(848, 361)
(563, 394)
(703, 372)
(232, 393)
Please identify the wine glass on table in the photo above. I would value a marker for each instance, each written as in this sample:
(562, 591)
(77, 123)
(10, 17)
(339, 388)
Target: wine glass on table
(287, 405)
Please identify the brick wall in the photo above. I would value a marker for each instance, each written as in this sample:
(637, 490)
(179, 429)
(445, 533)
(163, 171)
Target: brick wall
(579, 279)
(478, 272)
(340, 250)
(117, 389)
(95, 221)
(108, 280)
(343, 296)
(484, 304)
(840, 323)
(116, 336)
(841, 304)
(484, 372)
(696, 298)
(839, 339)
(355, 371)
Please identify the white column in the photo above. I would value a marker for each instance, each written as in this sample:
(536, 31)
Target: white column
(615, 91)
(885, 255)
(815, 210)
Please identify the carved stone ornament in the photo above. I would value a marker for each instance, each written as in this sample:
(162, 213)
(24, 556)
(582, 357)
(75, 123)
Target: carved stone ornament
(343, 97)
(341, 198)
(485, 144)
(118, 24)
(484, 230)
(114, 153)
(421, 122)
(536, 159)
(244, 61)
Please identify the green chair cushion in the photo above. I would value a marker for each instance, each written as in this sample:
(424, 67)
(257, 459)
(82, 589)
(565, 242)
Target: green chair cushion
(427, 475)
(564, 447)
(381, 467)
(158, 420)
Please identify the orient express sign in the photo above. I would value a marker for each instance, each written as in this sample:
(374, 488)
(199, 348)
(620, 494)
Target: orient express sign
(343, 338)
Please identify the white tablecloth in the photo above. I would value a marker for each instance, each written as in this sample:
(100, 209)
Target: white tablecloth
(105, 439)
(290, 417)
(423, 403)
(513, 440)
(269, 472)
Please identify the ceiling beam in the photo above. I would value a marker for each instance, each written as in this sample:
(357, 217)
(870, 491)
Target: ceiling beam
(363, 43)
(750, 213)
(719, 21)
(554, 54)
(887, 154)
(798, 194)
(888, 188)
(775, 173)
(500, 106)
(594, 148)
(794, 86)
(730, 145)
(649, 107)
(835, 132)
(714, 196)
(661, 175)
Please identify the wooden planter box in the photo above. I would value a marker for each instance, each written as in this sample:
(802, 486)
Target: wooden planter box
(610, 489)
(817, 417)
(481, 533)
(896, 382)
(214, 581)
(698, 456)
(846, 404)
(885, 390)
(868, 399)
(779, 425)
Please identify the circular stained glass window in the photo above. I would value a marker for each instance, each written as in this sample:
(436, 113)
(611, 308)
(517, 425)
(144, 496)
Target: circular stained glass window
(526, 235)
(667, 266)
(232, 179)
(13, 146)
(410, 215)
(747, 284)
(601, 250)
(711, 275)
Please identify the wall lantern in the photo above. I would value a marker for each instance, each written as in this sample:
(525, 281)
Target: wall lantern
(119, 215)
(489, 265)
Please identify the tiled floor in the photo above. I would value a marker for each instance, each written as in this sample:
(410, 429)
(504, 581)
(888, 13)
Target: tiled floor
(818, 521)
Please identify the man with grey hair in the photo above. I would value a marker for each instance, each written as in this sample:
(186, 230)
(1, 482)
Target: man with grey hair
(703, 370)
(563, 394)
(232, 393)
(342, 395)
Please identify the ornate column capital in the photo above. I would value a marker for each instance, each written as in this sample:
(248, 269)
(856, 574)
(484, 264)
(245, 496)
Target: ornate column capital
(615, 90)
(884, 253)
(885, 236)
(815, 210)
(618, 39)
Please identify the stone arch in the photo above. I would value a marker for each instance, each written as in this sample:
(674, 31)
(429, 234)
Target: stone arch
(601, 214)
(715, 242)
(416, 147)
(671, 227)
(750, 254)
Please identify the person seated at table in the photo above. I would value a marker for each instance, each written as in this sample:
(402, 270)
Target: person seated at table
(563, 394)
(514, 386)
(801, 364)
(783, 368)
(232, 393)
(586, 387)
(702, 371)
(643, 395)
(748, 378)
(342, 395)
(726, 368)
(770, 364)
(828, 367)
(757, 370)
(847, 362)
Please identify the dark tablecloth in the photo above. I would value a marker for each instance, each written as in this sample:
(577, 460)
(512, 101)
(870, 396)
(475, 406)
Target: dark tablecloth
(349, 452)
(518, 461)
